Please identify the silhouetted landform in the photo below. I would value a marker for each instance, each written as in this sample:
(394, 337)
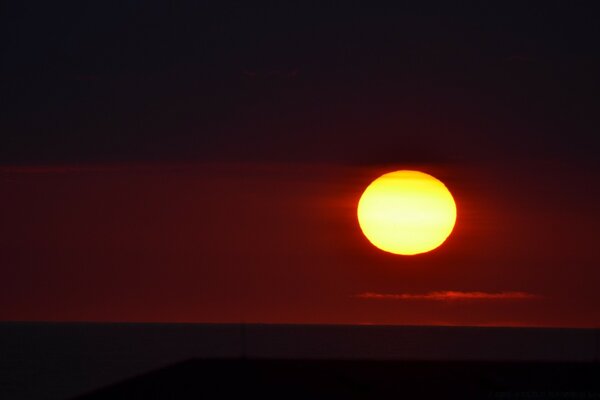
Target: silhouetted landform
(353, 379)
(64, 360)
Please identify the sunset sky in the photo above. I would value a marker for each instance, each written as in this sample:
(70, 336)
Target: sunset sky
(171, 162)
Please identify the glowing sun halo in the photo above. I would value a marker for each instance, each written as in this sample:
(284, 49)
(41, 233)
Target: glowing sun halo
(406, 212)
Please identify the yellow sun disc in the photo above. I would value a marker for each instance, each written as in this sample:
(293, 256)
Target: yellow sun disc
(406, 212)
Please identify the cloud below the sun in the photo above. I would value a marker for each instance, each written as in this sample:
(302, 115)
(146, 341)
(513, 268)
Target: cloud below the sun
(448, 295)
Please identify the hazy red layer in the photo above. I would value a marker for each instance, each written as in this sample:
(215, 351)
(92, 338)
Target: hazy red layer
(280, 243)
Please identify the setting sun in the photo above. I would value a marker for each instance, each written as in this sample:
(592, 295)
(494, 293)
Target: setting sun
(406, 212)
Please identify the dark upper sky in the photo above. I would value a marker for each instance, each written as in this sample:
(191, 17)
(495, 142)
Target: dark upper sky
(225, 146)
(173, 80)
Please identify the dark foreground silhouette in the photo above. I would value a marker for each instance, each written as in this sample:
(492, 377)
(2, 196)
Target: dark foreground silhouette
(319, 379)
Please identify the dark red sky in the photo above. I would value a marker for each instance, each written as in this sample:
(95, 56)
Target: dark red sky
(281, 243)
(173, 161)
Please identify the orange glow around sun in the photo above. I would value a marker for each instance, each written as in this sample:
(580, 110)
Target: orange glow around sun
(406, 212)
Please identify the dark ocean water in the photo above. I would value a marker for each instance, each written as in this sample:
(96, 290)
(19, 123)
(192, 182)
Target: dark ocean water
(63, 360)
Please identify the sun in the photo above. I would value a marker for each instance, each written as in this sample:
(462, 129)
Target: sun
(406, 212)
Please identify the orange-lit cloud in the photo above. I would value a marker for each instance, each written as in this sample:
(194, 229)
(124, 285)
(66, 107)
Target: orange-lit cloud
(449, 295)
